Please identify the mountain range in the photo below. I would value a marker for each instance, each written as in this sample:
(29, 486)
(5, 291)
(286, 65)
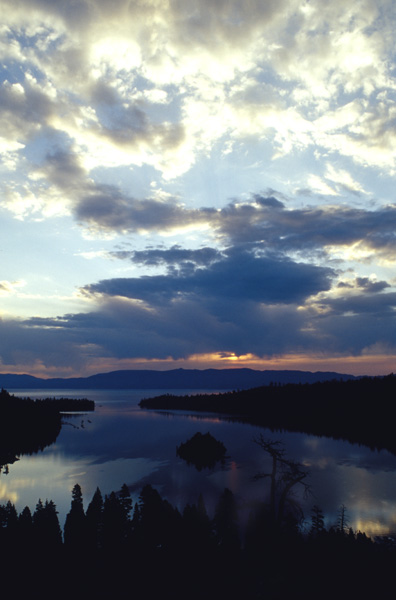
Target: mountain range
(194, 379)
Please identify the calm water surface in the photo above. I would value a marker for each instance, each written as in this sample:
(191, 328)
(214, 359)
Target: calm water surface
(121, 443)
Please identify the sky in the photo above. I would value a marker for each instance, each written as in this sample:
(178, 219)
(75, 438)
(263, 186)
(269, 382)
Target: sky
(197, 184)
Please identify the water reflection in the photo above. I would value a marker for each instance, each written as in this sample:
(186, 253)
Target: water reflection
(120, 443)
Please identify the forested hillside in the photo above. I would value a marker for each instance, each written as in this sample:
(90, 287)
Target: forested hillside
(357, 410)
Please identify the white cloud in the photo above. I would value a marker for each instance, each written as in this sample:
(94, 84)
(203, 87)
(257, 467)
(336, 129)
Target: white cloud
(141, 49)
(10, 287)
(343, 179)
(319, 186)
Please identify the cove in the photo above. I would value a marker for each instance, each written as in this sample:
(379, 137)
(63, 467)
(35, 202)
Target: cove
(121, 443)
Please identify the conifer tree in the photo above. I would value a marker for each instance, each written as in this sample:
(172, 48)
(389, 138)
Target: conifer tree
(46, 528)
(75, 530)
(94, 520)
(125, 500)
(317, 520)
(25, 518)
(226, 522)
(12, 515)
(114, 523)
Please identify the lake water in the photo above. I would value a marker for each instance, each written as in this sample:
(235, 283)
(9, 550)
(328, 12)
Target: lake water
(121, 443)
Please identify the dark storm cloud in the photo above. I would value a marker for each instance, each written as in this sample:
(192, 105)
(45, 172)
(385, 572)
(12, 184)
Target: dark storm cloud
(365, 283)
(290, 229)
(25, 343)
(358, 304)
(239, 275)
(179, 326)
(358, 333)
(175, 328)
(104, 206)
(371, 286)
(176, 255)
(264, 219)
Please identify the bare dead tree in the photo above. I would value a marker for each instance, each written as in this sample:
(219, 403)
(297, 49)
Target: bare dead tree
(284, 476)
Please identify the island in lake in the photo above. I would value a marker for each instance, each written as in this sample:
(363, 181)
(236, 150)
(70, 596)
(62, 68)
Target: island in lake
(202, 451)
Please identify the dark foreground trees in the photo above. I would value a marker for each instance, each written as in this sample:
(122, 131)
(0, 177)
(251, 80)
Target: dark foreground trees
(150, 549)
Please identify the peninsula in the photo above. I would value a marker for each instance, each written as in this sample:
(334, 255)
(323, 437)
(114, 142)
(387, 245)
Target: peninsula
(355, 410)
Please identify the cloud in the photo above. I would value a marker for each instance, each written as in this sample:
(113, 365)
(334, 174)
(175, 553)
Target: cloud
(104, 207)
(123, 115)
(171, 257)
(176, 327)
(62, 168)
(260, 219)
(239, 275)
(9, 287)
(344, 180)
(378, 305)
(220, 69)
(371, 286)
(291, 229)
(124, 329)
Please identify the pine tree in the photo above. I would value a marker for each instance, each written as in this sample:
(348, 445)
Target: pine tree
(25, 518)
(115, 523)
(226, 522)
(46, 529)
(94, 520)
(50, 529)
(125, 500)
(75, 524)
(25, 530)
(317, 520)
(12, 516)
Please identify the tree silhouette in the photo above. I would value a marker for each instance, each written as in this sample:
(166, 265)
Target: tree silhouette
(25, 519)
(284, 476)
(342, 523)
(125, 500)
(226, 522)
(45, 526)
(115, 523)
(94, 520)
(172, 550)
(159, 525)
(198, 535)
(317, 521)
(75, 530)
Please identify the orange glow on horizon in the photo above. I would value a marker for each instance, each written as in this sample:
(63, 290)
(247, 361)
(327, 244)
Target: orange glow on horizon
(376, 364)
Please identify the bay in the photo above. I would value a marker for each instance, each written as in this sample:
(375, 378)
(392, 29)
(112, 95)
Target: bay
(121, 443)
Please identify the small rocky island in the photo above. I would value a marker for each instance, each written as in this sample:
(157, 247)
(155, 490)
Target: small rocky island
(202, 450)
(27, 426)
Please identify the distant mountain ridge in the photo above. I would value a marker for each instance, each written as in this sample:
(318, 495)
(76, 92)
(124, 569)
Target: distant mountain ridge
(210, 379)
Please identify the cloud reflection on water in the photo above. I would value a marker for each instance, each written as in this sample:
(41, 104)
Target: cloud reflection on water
(121, 443)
